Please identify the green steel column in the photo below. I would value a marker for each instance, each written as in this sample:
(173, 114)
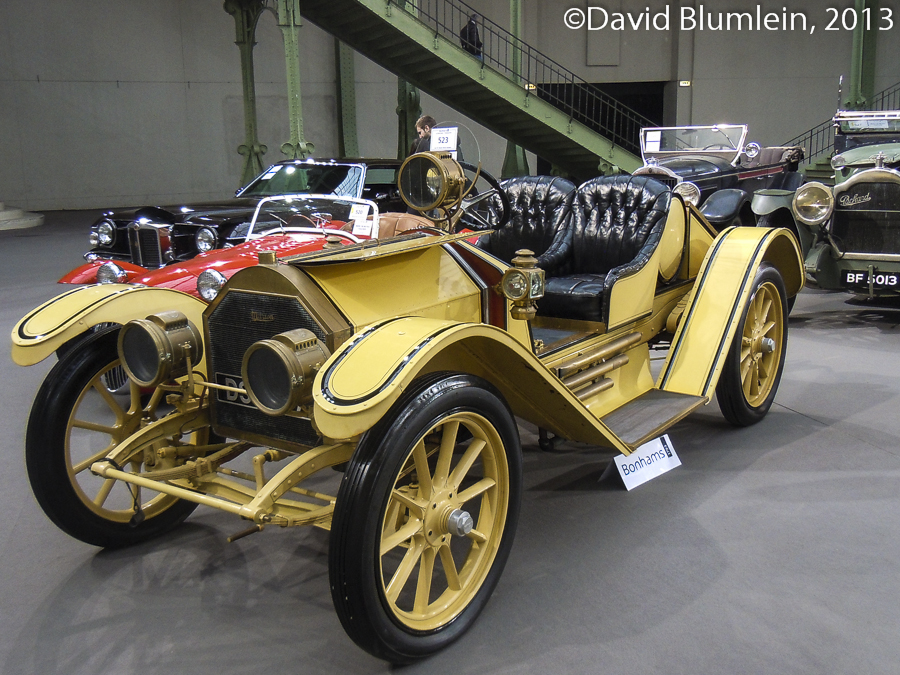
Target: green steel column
(246, 15)
(409, 105)
(515, 163)
(289, 23)
(348, 141)
(861, 87)
(409, 109)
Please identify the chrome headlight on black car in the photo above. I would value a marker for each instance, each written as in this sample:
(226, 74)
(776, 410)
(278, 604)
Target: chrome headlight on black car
(688, 191)
(103, 234)
(206, 240)
(813, 203)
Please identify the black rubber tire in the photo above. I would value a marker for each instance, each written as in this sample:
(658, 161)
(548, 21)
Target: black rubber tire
(48, 459)
(730, 390)
(355, 563)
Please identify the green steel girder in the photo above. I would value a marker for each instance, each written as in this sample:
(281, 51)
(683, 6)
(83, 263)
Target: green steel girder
(861, 87)
(246, 17)
(409, 110)
(348, 139)
(288, 13)
(515, 163)
(409, 106)
(399, 42)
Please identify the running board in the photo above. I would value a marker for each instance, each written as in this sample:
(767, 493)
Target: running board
(647, 416)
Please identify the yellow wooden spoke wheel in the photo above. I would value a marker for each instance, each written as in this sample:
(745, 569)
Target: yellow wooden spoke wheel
(82, 411)
(754, 364)
(425, 518)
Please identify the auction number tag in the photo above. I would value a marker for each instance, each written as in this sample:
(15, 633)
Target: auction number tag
(359, 214)
(444, 139)
(650, 460)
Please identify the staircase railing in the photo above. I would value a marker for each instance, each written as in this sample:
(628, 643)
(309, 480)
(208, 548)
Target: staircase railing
(819, 140)
(538, 73)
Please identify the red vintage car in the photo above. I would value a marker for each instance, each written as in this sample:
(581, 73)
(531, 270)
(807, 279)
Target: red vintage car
(302, 225)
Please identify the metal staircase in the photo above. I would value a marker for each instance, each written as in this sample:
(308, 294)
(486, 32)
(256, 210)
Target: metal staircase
(818, 142)
(515, 91)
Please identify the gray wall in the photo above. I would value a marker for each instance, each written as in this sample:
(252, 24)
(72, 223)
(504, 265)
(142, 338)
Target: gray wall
(120, 102)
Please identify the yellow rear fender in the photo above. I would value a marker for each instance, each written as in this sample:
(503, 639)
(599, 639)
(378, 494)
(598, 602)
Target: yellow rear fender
(57, 321)
(720, 294)
(365, 377)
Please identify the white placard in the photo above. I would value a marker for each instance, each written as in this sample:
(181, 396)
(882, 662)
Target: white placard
(444, 139)
(359, 214)
(650, 460)
(652, 141)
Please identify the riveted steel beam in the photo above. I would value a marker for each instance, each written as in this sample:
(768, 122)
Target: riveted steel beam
(246, 17)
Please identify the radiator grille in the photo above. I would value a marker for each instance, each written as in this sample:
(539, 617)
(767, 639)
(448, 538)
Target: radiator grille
(240, 319)
(146, 249)
(867, 219)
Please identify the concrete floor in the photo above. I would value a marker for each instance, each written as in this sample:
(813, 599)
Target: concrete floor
(772, 549)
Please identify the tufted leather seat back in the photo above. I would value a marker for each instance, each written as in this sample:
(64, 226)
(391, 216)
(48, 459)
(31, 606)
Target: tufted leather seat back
(540, 208)
(612, 216)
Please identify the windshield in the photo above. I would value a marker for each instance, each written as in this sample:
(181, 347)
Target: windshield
(342, 180)
(316, 211)
(868, 123)
(721, 138)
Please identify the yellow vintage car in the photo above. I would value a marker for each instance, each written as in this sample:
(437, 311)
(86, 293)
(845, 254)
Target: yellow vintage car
(404, 363)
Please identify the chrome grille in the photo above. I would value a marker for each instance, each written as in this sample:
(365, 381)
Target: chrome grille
(239, 320)
(867, 219)
(148, 244)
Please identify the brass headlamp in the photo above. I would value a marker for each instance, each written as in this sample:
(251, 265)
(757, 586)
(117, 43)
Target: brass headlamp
(278, 373)
(157, 349)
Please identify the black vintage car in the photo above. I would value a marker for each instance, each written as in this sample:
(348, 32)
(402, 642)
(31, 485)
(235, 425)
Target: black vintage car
(154, 236)
(851, 232)
(715, 169)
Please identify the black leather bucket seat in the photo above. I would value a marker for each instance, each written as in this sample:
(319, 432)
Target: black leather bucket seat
(540, 209)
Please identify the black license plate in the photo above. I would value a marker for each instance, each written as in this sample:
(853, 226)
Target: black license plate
(858, 279)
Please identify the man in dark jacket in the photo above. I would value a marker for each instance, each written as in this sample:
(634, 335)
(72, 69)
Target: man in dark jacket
(469, 39)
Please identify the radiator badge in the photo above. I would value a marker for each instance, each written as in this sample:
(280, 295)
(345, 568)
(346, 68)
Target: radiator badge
(261, 316)
(847, 200)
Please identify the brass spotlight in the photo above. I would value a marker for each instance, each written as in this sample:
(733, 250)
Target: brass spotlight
(431, 180)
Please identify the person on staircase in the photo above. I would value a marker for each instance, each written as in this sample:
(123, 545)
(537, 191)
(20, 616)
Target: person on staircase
(469, 38)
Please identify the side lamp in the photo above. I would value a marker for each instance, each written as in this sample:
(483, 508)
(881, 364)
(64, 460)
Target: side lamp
(523, 284)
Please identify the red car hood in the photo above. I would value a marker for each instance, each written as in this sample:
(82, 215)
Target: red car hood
(183, 276)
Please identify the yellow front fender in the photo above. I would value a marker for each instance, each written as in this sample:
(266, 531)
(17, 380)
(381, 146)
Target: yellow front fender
(363, 379)
(42, 331)
(720, 294)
